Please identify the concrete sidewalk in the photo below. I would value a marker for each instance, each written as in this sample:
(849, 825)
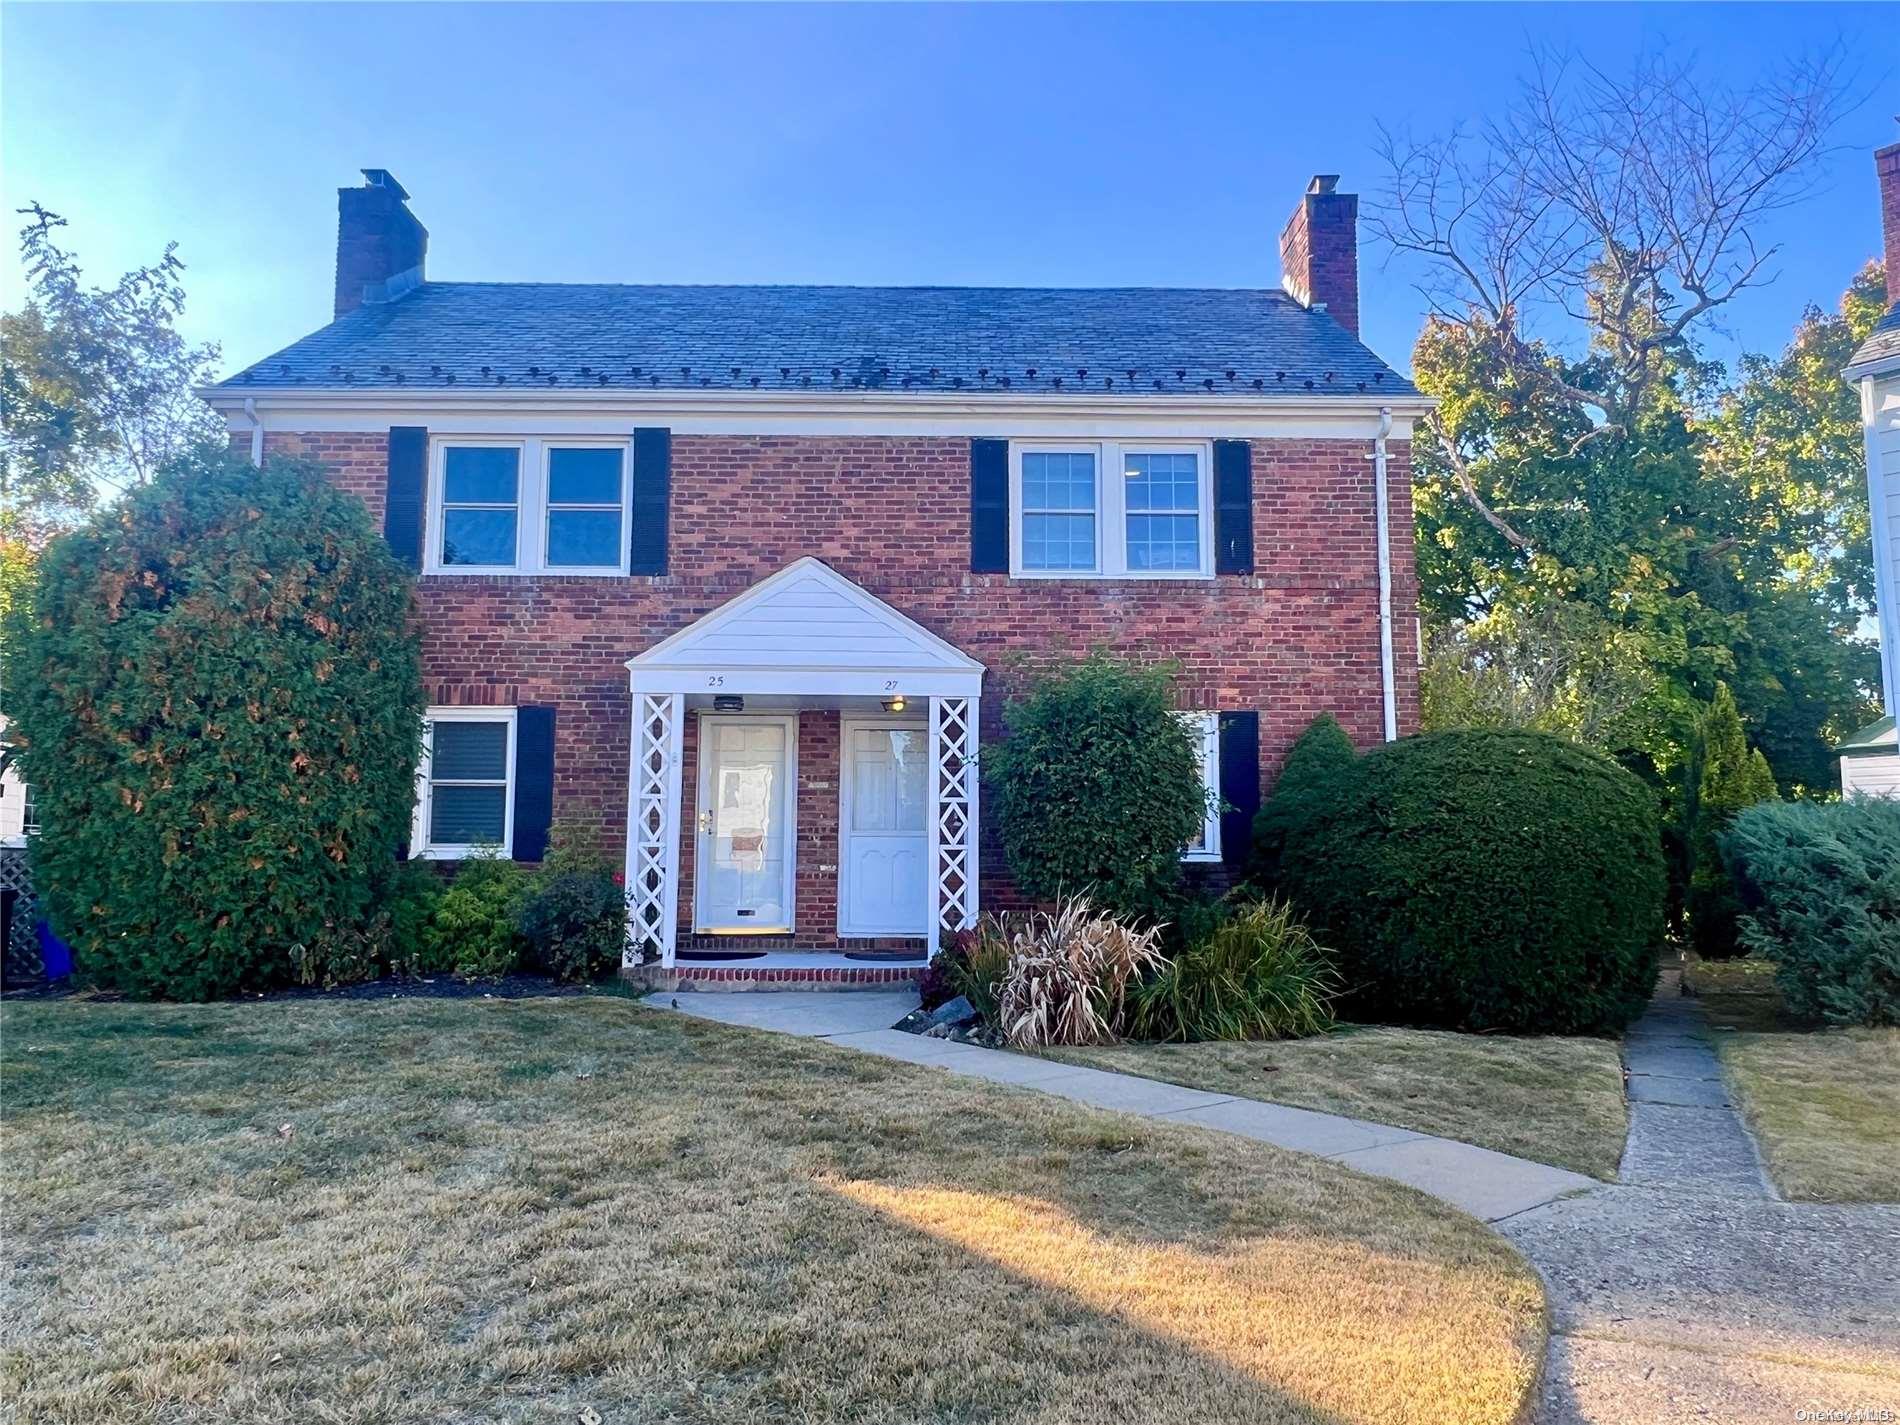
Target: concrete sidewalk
(1486, 1184)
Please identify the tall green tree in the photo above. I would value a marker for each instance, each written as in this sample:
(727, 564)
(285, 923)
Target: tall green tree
(95, 382)
(216, 685)
(1589, 490)
(1725, 776)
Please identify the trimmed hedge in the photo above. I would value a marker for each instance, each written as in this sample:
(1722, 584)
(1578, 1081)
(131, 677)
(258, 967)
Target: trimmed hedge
(1820, 885)
(1309, 780)
(1097, 787)
(1486, 880)
(220, 699)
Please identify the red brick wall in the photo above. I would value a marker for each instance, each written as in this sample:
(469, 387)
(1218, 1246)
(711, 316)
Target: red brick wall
(1297, 638)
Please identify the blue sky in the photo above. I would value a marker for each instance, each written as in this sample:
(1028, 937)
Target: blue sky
(928, 144)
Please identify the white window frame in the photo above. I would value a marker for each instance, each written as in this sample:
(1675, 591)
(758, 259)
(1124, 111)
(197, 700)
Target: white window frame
(1111, 506)
(1204, 728)
(546, 449)
(420, 847)
(531, 503)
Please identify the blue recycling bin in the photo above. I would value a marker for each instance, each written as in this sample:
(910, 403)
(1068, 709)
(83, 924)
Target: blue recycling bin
(55, 954)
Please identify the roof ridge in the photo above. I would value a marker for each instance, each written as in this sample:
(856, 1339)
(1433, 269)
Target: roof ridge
(1277, 293)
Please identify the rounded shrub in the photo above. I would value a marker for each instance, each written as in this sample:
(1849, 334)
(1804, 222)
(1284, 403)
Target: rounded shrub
(1097, 787)
(1486, 880)
(474, 929)
(219, 696)
(1309, 780)
(574, 924)
(1821, 885)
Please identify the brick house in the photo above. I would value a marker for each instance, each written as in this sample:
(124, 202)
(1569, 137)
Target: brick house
(743, 577)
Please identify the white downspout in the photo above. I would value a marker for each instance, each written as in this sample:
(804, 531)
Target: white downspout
(257, 430)
(1386, 674)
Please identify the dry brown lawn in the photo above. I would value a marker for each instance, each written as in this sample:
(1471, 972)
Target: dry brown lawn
(1552, 1100)
(488, 1210)
(1823, 1103)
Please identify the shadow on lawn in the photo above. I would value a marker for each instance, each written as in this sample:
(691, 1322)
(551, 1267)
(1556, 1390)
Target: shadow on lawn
(503, 1210)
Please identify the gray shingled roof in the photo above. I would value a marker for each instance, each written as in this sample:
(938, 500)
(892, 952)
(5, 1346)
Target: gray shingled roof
(1883, 342)
(1172, 340)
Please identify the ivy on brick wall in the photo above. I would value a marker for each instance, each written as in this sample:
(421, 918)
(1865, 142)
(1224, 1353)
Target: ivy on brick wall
(217, 686)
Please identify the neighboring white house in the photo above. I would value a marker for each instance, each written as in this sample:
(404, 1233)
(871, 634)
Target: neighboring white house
(1870, 759)
(16, 807)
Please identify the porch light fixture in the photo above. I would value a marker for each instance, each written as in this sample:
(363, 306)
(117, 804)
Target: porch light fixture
(894, 703)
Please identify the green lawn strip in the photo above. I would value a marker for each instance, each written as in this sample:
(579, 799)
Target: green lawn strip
(1823, 1103)
(1554, 1100)
(364, 1211)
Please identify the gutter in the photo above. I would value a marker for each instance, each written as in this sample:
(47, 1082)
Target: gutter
(257, 430)
(1387, 677)
(468, 397)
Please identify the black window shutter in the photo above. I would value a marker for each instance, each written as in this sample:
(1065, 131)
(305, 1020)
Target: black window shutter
(407, 477)
(1239, 786)
(989, 507)
(652, 497)
(534, 781)
(1233, 507)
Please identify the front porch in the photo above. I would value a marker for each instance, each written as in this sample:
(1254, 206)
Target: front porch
(802, 800)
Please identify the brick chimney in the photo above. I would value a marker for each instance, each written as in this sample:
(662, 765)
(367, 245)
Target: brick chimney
(1319, 251)
(1887, 165)
(380, 247)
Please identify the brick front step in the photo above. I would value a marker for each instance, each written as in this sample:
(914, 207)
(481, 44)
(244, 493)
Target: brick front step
(760, 976)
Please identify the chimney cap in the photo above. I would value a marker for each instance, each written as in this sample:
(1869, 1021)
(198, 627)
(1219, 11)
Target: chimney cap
(1322, 183)
(383, 178)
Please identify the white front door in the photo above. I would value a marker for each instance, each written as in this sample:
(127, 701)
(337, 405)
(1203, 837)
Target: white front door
(884, 800)
(746, 811)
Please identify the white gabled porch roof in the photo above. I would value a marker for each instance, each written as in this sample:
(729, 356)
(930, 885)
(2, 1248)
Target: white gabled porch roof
(806, 630)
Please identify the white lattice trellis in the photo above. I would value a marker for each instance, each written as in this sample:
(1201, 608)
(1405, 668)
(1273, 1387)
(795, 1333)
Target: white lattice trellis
(953, 821)
(653, 830)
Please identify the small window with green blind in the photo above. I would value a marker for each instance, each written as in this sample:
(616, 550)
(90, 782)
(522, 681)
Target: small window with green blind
(467, 791)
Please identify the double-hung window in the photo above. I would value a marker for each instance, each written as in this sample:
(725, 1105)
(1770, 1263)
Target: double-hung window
(1060, 504)
(465, 791)
(1204, 729)
(481, 506)
(1111, 509)
(528, 506)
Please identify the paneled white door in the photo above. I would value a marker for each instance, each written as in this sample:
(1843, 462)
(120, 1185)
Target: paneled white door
(883, 853)
(743, 879)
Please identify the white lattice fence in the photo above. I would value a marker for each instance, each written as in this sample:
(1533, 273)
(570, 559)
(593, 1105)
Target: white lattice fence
(954, 823)
(22, 950)
(653, 835)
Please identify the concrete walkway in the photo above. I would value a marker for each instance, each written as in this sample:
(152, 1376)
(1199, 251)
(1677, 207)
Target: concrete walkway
(1685, 1290)
(1489, 1185)
(1689, 1289)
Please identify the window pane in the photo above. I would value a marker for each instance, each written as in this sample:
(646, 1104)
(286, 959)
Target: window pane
(1058, 480)
(1164, 482)
(584, 537)
(467, 816)
(583, 477)
(478, 537)
(469, 751)
(1058, 541)
(480, 475)
(1164, 542)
